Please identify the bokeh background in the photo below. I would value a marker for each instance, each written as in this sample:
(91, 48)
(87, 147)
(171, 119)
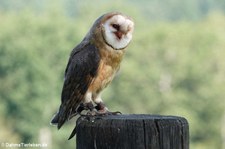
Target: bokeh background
(174, 66)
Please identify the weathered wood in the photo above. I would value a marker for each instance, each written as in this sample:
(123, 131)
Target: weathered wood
(133, 132)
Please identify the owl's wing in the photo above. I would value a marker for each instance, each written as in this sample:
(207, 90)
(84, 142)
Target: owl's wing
(81, 70)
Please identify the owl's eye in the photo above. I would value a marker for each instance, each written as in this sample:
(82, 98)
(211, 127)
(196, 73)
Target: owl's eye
(116, 26)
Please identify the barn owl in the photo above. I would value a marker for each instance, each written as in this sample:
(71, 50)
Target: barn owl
(92, 66)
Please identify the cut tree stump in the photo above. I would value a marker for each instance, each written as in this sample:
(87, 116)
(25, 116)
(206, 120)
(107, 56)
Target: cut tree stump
(132, 132)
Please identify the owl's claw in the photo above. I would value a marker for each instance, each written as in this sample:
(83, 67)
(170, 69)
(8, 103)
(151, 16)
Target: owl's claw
(86, 106)
(108, 113)
(100, 113)
(102, 110)
(116, 113)
(99, 110)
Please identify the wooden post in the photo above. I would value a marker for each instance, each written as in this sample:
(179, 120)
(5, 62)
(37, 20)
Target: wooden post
(132, 132)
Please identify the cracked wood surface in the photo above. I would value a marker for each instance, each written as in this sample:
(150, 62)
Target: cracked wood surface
(132, 132)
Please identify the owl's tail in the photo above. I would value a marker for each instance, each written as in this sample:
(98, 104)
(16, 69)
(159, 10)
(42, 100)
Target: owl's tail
(62, 116)
(59, 118)
(55, 120)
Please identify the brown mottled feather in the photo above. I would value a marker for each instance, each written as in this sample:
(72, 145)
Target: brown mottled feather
(80, 71)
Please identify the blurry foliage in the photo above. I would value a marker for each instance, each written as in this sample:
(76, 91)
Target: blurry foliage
(171, 68)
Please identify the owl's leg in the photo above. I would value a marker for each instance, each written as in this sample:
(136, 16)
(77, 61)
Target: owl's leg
(102, 109)
(86, 105)
(100, 106)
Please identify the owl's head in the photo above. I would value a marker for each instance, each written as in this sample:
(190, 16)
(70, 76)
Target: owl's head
(117, 30)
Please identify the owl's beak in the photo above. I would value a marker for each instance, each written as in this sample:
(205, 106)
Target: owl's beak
(119, 34)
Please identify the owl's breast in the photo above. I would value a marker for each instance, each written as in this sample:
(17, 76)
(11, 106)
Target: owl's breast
(108, 67)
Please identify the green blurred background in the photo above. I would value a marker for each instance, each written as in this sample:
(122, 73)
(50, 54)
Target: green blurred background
(174, 66)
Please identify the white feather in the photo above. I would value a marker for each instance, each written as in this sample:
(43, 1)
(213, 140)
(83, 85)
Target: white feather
(126, 25)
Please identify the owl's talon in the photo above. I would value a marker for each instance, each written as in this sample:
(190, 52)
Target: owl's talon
(91, 113)
(115, 113)
(85, 106)
(102, 110)
(105, 113)
(99, 110)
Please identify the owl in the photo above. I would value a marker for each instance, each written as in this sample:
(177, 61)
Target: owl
(92, 66)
